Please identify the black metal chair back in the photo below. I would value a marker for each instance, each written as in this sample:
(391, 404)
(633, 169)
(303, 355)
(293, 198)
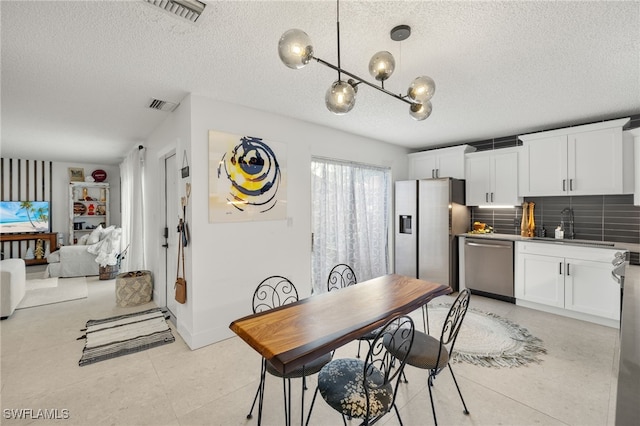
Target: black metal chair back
(341, 276)
(453, 321)
(383, 367)
(274, 292)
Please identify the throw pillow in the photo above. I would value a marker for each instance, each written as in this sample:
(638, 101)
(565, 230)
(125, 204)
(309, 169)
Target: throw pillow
(83, 240)
(94, 237)
(106, 232)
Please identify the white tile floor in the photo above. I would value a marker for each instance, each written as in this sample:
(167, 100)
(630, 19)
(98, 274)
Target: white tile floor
(575, 384)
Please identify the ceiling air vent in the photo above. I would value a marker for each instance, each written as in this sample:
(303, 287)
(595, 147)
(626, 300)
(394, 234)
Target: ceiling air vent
(163, 105)
(187, 9)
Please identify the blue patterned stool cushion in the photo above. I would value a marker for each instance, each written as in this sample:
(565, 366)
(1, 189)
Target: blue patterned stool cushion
(341, 385)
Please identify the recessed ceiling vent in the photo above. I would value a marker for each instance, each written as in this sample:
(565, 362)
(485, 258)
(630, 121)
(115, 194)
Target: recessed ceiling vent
(163, 105)
(187, 9)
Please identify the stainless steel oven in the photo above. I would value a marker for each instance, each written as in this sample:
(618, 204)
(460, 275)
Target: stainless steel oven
(489, 267)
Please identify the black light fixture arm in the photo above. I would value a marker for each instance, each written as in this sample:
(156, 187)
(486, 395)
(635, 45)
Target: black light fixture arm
(361, 80)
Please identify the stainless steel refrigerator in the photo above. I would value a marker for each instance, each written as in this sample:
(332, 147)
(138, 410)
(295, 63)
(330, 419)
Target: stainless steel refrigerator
(429, 213)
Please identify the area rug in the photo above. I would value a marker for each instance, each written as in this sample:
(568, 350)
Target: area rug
(53, 290)
(488, 340)
(125, 334)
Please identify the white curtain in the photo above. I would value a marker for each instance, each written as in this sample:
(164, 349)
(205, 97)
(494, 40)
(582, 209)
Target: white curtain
(350, 219)
(132, 182)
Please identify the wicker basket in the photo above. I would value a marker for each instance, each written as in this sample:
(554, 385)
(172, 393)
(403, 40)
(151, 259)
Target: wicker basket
(109, 272)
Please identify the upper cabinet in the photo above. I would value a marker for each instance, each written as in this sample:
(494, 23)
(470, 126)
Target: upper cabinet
(594, 159)
(492, 178)
(439, 163)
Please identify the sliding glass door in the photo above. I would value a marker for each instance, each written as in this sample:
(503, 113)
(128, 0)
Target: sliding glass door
(350, 219)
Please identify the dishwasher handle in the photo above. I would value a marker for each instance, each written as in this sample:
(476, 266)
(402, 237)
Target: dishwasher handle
(467, 243)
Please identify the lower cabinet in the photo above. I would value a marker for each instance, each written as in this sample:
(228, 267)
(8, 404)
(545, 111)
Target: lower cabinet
(539, 279)
(572, 279)
(588, 288)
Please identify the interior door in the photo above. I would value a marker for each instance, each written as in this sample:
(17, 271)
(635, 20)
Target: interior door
(171, 223)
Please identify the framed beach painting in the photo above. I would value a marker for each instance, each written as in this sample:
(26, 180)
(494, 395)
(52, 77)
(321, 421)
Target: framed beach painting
(247, 178)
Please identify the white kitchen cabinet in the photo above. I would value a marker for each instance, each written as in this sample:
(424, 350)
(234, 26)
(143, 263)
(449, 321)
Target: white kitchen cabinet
(539, 279)
(439, 163)
(569, 280)
(594, 159)
(492, 178)
(588, 288)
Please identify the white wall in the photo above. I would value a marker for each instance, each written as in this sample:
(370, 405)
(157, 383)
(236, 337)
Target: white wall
(225, 262)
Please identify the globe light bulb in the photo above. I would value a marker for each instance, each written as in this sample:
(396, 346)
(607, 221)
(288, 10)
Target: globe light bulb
(382, 65)
(340, 97)
(295, 49)
(420, 112)
(421, 89)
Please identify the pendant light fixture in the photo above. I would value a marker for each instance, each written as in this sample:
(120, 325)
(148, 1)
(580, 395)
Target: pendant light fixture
(296, 51)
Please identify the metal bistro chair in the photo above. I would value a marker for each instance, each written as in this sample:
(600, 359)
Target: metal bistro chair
(341, 276)
(367, 389)
(432, 354)
(274, 292)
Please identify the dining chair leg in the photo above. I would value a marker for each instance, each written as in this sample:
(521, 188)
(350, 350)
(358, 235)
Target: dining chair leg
(313, 401)
(255, 398)
(286, 387)
(398, 414)
(425, 318)
(433, 407)
(304, 388)
(259, 391)
(458, 387)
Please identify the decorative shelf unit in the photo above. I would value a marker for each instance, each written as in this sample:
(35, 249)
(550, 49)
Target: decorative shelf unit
(88, 208)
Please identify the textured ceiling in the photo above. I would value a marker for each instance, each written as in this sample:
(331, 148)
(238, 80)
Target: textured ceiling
(77, 75)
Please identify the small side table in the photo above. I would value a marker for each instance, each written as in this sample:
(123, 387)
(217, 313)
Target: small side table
(134, 288)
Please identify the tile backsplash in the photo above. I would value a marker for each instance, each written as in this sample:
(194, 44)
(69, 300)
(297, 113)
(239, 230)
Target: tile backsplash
(596, 217)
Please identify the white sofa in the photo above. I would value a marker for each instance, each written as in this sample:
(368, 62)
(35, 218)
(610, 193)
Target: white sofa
(100, 248)
(13, 276)
(72, 261)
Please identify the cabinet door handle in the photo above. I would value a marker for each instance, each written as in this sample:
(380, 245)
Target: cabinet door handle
(437, 173)
(433, 173)
(570, 184)
(560, 264)
(564, 184)
(486, 197)
(492, 197)
(568, 270)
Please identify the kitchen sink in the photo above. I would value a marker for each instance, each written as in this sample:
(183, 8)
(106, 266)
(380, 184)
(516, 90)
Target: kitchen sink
(575, 242)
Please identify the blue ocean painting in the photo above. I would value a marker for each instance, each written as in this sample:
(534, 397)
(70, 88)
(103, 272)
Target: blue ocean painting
(13, 212)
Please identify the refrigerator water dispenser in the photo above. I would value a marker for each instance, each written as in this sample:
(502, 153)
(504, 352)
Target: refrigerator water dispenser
(405, 224)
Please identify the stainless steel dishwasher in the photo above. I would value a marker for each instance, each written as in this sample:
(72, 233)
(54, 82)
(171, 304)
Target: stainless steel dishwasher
(488, 267)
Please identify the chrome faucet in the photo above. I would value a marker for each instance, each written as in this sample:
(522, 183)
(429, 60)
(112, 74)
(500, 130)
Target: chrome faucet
(566, 215)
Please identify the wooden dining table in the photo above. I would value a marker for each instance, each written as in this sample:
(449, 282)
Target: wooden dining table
(294, 334)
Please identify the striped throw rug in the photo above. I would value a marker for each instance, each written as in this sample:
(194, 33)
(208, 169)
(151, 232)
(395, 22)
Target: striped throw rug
(112, 337)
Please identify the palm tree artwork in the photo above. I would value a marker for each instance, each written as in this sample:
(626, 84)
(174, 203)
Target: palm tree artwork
(40, 213)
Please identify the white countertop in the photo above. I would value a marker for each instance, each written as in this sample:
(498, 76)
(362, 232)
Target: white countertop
(513, 237)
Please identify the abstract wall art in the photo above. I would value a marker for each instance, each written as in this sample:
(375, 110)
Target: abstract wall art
(247, 180)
